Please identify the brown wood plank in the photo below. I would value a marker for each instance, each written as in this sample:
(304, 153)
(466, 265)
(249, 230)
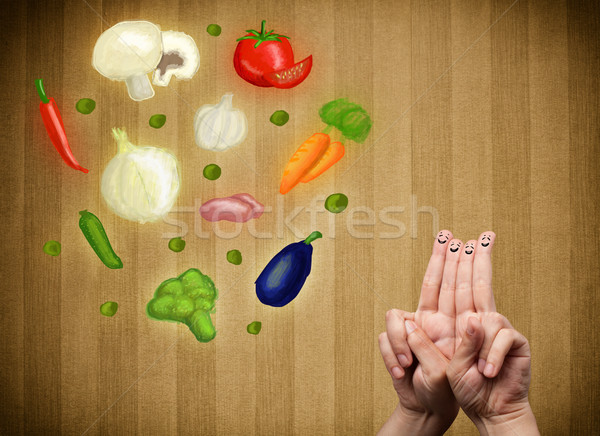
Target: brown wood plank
(584, 100)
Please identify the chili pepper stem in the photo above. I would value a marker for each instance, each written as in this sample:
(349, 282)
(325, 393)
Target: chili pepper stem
(40, 89)
(327, 129)
(312, 237)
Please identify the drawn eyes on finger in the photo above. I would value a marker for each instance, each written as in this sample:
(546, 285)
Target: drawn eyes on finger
(443, 237)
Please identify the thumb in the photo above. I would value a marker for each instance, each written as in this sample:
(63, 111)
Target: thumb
(433, 362)
(468, 351)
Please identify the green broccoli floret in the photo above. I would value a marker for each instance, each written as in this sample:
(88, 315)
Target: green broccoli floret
(349, 118)
(190, 299)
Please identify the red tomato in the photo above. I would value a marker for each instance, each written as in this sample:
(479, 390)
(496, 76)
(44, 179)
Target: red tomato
(292, 76)
(259, 54)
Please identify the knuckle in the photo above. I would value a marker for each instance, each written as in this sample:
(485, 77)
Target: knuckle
(448, 287)
(463, 286)
(430, 282)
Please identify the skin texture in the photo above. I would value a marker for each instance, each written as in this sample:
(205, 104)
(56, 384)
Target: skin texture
(484, 360)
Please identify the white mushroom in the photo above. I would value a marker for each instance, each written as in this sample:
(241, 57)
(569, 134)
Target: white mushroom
(128, 51)
(180, 58)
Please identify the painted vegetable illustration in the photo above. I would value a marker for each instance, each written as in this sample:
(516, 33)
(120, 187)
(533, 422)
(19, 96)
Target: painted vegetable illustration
(283, 277)
(318, 153)
(238, 208)
(93, 230)
(140, 183)
(129, 50)
(189, 299)
(221, 126)
(55, 128)
(266, 59)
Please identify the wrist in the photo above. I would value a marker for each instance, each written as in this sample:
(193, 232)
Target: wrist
(410, 422)
(521, 421)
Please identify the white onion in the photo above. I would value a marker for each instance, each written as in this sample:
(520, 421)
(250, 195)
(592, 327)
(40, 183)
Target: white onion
(140, 183)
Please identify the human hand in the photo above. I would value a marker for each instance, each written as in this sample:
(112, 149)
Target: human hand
(426, 402)
(423, 390)
(490, 370)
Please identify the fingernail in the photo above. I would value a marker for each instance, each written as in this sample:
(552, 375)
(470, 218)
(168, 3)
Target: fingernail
(396, 372)
(403, 360)
(489, 370)
(481, 365)
(410, 326)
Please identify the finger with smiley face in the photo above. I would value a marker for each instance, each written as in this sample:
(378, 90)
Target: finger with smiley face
(464, 278)
(433, 274)
(446, 301)
(483, 296)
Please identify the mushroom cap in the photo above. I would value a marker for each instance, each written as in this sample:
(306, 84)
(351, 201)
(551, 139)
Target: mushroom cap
(182, 48)
(128, 48)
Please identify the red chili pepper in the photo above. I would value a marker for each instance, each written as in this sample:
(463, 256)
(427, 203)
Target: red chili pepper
(55, 128)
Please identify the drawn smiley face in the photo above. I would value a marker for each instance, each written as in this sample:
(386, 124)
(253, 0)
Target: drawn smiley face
(454, 246)
(469, 248)
(443, 237)
(485, 240)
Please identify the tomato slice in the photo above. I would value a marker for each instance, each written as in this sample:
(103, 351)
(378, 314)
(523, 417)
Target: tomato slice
(290, 77)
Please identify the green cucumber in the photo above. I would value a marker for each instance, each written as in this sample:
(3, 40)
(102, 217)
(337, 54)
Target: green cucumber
(93, 230)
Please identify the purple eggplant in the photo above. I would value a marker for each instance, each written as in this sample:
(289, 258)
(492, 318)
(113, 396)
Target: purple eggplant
(283, 277)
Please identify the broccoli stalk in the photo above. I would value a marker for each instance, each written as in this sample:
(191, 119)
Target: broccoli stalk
(189, 299)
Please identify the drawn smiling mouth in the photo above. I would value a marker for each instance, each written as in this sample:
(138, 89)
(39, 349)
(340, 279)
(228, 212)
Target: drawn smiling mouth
(468, 252)
(454, 250)
(485, 244)
(442, 242)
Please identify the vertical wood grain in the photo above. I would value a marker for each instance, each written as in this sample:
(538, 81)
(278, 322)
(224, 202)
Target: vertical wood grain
(549, 193)
(511, 164)
(41, 185)
(584, 120)
(12, 213)
(355, 255)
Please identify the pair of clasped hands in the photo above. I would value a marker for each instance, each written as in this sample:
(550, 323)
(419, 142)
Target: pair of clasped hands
(456, 351)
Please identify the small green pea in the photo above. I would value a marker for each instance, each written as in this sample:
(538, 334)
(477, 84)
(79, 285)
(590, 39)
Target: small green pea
(254, 327)
(336, 203)
(176, 244)
(52, 248)
(234, 257)
(109, 308)
(279, 118)
(157, 120)
(85, 106)
(213, 29)
(212, 171)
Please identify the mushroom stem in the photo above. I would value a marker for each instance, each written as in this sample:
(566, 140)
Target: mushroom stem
(139, 87)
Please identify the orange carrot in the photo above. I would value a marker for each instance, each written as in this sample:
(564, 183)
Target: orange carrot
(334, 153)
(303, 160)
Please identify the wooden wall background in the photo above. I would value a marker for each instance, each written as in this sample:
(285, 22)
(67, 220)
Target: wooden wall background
(486, 111)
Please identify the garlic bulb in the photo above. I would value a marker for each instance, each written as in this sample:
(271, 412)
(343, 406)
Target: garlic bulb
(219, 127)
(140, 183)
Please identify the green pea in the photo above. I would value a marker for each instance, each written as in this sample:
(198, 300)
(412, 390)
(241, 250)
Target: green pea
(279, 118)
(336, 203)
(254, 327)
(234, 257)
(213, 29)
(212, 171)
(157, 120)
(109, 308)
(176, 244)
(52, 248)
(85, 106)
